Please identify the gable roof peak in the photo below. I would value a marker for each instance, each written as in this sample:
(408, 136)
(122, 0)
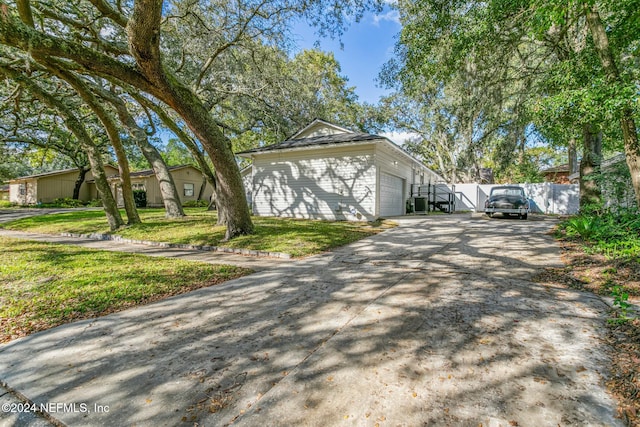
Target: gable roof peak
(319, 127)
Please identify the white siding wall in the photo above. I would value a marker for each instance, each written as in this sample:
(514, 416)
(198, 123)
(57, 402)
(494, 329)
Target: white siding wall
(247, 182)
(391, 161)
(329, 183)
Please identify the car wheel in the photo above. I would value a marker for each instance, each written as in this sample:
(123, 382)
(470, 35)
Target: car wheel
(523, 216)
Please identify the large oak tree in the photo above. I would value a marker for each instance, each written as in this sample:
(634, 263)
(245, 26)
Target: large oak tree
(124, 42)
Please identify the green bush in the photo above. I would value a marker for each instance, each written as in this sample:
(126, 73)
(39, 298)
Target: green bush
(95, 203)
(583, 226)
(63, 202)
(195, 204)
(140, 198)
(5, 204)
(613, 234)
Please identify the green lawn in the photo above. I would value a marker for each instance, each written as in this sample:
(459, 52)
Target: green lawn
(293, 236)
(44, 285)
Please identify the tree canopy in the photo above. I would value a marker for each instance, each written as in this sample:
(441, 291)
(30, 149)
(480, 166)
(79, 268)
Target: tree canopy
(507, 70)
(219, 71)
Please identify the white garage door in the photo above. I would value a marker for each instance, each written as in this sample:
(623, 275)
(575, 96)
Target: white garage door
(391, 200)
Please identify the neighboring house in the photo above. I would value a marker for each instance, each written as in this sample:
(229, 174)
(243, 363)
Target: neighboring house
(328, 172)
(558, 174)
(4, 192)
(46, 187)
(188, 179)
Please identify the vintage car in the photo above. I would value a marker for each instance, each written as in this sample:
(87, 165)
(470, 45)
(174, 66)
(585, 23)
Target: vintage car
(507, 200)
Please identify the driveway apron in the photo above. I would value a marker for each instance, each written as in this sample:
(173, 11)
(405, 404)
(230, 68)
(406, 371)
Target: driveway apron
(435, 322)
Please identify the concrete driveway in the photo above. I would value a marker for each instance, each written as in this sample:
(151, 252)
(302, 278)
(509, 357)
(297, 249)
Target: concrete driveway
(435, 322)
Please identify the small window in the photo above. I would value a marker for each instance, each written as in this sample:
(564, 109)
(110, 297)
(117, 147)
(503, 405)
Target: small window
(22, 189)
(188, 190)
(138, 186)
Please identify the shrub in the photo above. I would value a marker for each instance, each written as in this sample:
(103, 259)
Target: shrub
(63, 202)
(140, 198)
(195, 204)
(583, 226)
(94, 203)
(615, 234)
(5, 204)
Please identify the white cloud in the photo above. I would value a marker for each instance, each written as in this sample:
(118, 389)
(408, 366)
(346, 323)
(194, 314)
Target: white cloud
(400, 137)
(391, 16)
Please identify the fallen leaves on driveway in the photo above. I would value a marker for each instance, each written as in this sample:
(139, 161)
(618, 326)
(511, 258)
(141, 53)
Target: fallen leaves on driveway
(595, 273)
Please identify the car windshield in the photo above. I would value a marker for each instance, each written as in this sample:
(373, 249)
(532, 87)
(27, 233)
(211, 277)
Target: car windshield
(506, 191)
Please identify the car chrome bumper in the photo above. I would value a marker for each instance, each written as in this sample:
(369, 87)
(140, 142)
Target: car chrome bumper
(520, 211)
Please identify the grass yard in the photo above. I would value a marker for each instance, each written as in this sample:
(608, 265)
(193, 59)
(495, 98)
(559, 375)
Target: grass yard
(43, 285)
(293, 236)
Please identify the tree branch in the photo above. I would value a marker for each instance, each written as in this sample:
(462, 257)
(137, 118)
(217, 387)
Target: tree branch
(16, 34)
(106, 9)
(24, 11)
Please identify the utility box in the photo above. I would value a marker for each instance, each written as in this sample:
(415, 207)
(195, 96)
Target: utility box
(420, 204)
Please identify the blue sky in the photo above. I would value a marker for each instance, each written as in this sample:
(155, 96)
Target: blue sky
(367, 45)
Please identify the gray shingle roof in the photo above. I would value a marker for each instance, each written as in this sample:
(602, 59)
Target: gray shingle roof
(52, 173)
(557, 169)
(41, 175)
(339, 138)
(150, 172)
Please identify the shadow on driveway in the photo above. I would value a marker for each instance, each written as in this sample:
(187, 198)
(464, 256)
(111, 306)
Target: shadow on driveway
(435, 322)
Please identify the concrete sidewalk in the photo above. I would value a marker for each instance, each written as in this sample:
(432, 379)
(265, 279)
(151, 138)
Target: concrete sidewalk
(7, 215)
(435, 322)
(255, 263)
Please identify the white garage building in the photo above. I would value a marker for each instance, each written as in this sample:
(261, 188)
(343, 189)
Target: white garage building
(328, 172)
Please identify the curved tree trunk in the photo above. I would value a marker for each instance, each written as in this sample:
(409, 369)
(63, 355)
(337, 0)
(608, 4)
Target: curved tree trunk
(109, 203)
(113, 132)
(212, 203)
(144, 44)
(149, 75)
(203, 187)
(193, 148)
(169, 192)
(82, 173)
(77, 128)
(627, 122)
(73, 124)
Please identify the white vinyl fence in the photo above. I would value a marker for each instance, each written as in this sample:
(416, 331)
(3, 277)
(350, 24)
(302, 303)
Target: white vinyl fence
(546, 197)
